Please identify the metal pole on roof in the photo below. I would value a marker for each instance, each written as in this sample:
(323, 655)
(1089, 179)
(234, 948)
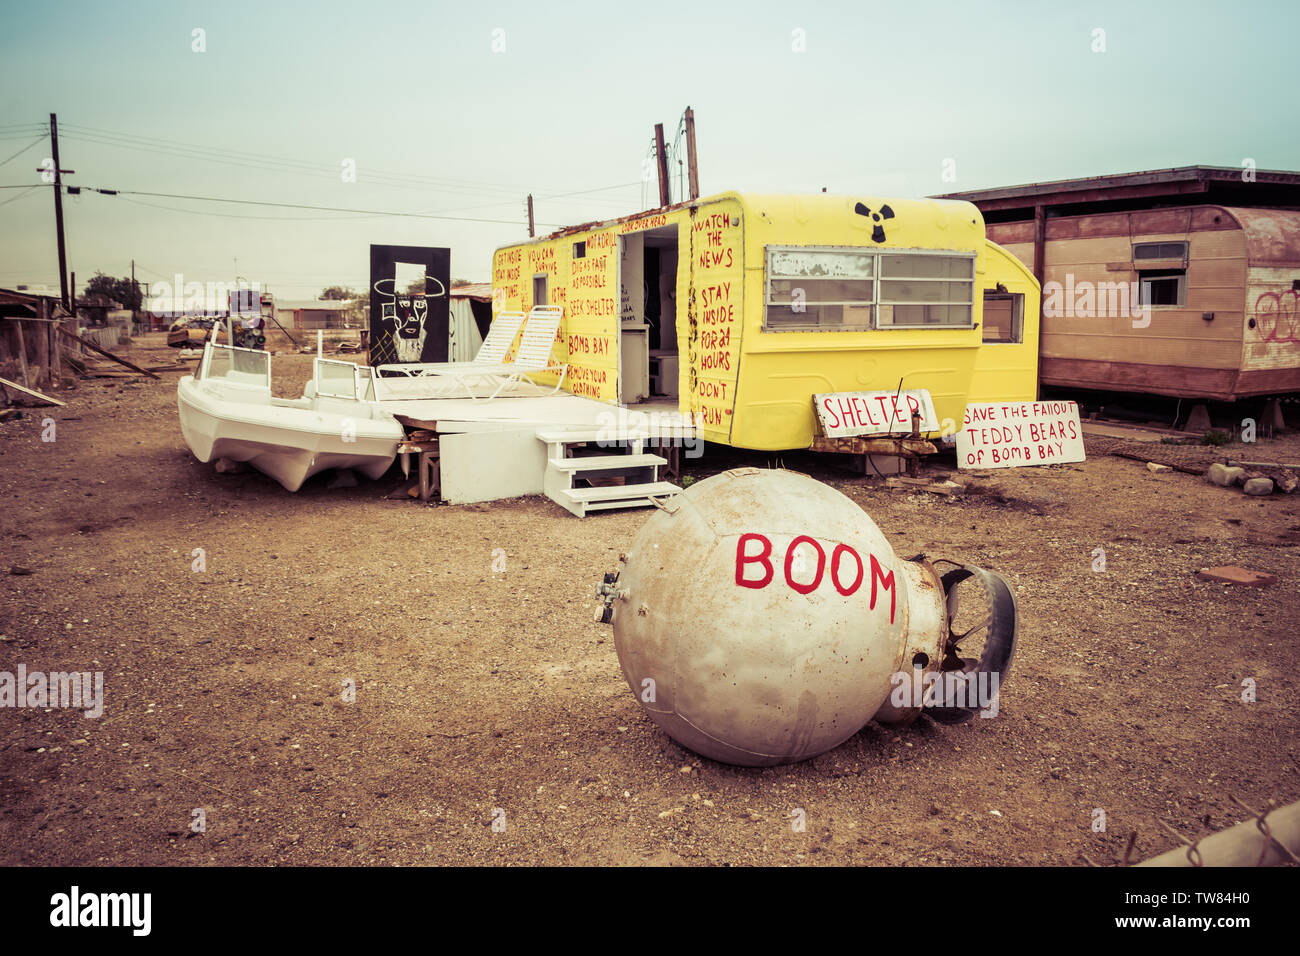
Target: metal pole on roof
(530, 215)
(662, 159)
(692, 171)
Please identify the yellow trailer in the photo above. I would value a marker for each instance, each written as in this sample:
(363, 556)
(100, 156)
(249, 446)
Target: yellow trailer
(743, 307)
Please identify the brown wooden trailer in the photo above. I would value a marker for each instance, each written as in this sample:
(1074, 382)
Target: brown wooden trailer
(1178, 282)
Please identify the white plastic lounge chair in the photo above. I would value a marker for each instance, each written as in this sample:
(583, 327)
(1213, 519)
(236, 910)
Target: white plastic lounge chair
(533, 357)
(501, 335)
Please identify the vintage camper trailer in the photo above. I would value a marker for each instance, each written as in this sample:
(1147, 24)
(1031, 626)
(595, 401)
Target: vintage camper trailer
(1180, 282)
(743, 307)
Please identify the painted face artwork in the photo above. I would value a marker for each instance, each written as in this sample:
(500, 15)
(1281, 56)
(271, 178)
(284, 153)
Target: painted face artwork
(409, 313)
(405, 317)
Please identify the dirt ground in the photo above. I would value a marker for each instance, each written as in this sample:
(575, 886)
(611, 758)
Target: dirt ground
(480, 694)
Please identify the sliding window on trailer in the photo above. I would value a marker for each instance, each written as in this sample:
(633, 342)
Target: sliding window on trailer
(836, 289)
(1004, 317)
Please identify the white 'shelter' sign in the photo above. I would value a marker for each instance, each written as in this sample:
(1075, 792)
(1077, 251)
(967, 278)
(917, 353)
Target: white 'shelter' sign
(853, 414)
(1013, 434)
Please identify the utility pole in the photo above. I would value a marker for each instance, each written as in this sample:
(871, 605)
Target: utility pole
(662, 161)
(530, 215)
(692, 171)
(58, 209)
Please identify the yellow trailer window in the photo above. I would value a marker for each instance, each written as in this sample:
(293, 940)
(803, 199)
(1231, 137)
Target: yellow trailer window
(812, 289)
(923, 290)
(829, 290)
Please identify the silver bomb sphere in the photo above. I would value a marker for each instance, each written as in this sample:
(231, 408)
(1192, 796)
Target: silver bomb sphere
(761, 616)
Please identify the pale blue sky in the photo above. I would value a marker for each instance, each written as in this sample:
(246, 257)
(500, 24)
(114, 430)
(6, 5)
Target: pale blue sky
(1012, 92)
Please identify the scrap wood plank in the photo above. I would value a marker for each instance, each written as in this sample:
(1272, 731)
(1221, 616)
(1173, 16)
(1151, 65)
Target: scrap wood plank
(22, 353)
(1139, 456)
(944, 487)
(107, 354)
(32, 391)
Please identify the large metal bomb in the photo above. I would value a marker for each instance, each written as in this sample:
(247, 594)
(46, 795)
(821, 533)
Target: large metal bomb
(762, 618)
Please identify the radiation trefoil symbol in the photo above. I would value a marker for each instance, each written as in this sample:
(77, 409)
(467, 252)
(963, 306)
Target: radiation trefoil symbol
(877, 231)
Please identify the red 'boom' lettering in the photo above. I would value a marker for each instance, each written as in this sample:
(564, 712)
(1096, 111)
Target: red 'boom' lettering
(887, 580)
(789, 564)
(743, 559)
(835, 569)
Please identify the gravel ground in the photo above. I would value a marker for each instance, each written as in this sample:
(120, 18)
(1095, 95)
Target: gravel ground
(483, 695)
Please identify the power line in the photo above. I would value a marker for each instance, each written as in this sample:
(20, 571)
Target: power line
(242, 157)
(34, 142)
(21, 195)
(287, 205)
(225, 155)
(234, 215)
(319, 171)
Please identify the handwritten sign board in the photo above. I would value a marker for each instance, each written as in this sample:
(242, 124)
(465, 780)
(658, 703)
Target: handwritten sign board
(1014, 434)
(851, 414)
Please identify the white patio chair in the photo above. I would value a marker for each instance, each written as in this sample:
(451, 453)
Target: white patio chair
(533, 357)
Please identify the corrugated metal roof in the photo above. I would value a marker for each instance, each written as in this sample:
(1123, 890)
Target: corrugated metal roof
(472, 290)
(1150, 178)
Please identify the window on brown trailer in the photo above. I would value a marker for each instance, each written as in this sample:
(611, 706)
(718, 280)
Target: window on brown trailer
(1004, 315)
(1162, 287)
(1159, 250)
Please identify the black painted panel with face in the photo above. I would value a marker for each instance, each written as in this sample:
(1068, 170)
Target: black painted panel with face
(405, 328)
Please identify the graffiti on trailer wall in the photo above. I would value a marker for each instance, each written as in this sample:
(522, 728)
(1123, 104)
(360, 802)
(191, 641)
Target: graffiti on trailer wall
(1277, 316)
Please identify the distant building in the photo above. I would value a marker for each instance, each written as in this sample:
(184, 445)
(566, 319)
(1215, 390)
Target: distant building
(317, 314)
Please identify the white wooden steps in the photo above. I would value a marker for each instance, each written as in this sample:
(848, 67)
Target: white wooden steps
(571, 467)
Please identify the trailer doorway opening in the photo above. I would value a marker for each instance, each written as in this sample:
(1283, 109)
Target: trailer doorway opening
(648, 360)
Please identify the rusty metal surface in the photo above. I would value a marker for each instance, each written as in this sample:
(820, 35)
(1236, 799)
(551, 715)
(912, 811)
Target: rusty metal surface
(1272, 235)
(900, 447)
(926, 633)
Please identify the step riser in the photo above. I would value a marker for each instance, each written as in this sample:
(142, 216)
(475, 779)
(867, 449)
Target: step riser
(639, 470)
(600, 462)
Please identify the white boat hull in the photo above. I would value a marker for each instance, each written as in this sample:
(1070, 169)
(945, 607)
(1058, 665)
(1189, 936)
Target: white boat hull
(288, 440)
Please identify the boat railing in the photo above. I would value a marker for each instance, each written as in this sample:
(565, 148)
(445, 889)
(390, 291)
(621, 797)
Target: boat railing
(232, 365)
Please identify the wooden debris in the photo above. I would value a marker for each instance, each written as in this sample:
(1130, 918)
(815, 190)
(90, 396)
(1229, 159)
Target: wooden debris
(1144, 455)
(1235, 575)
(22, 353)
(33, 392)
(107, 354)
(945, 487)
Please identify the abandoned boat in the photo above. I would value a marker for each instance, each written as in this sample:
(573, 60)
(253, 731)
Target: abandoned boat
(227, 411)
